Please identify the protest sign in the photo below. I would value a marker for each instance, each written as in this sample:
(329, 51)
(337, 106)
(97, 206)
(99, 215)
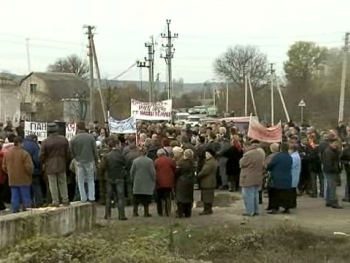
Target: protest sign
(71, 130)
(153, 111)
(122, 127)
(37, 128)
(261, 133)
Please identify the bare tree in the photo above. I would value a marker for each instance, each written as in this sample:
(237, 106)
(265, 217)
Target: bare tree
(231, 65)
(70, 64)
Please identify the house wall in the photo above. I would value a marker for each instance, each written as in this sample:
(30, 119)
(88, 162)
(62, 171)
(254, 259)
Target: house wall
(10, 101)
(25, 93)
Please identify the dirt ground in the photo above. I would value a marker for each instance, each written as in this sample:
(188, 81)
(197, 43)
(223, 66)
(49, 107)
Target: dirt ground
(310, 213)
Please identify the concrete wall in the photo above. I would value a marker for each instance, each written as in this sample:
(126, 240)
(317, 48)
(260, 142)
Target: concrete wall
(47, 221)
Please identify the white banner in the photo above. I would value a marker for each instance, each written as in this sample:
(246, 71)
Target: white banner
(122, 127)
(153, 111)
(71, 130)
(37, 128)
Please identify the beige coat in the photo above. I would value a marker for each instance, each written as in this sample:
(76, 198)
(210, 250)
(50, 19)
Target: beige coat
(252, 168)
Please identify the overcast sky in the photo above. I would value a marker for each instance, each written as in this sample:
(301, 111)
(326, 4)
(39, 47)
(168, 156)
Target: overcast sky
(206, 28)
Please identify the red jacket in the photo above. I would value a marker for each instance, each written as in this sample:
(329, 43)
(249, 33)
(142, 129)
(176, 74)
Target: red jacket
(2, 173)
(165, 169)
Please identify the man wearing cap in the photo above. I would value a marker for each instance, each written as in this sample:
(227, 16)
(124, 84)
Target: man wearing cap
(54, 156)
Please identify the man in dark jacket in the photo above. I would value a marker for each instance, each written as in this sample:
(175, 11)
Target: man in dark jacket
(55, 156)
(113, 165)
(30, 144)
(331, 169)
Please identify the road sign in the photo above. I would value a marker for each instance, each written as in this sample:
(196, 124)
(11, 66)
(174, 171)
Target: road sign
(302, 103)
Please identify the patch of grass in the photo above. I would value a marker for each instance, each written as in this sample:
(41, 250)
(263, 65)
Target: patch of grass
(148, 244)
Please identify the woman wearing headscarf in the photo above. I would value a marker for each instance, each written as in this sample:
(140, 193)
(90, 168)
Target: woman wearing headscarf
(178, 154)
(233, 155)
(274, 149)
(280, 168)
(184, 184)
(143, 174)
(207, 181)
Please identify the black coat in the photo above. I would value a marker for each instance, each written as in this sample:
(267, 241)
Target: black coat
(330, 161)
(233, 156)
(184, 181)
(345, 159)
(152, 152)
(201, 157)
(313, 159)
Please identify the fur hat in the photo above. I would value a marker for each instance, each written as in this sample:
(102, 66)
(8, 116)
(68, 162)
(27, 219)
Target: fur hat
(52, 127)
(211, 152)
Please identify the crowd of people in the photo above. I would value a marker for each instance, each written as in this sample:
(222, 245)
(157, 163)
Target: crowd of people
(166, 163)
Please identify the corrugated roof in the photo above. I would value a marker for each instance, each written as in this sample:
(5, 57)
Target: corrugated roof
(61, 85)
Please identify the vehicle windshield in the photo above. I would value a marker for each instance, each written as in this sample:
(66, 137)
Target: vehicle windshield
(193, 119)
(182, 117)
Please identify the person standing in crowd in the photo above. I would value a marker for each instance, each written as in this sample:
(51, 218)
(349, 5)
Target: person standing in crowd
(178, 154)
(143, 175)
(165, 171)
(113, 165)
(102, 183)
(131, 153)
(224, 145)
(207, 181)
(280, 168)
(2, 132)
(30, 144)
(345, 160)
(274, 149)
(233, 155)
(304, 152)
(20, 129)
(55, 157)
(315, 168)
(184, 184)
(84, 151)
(152, 151)
(2, 182)
(18, 164)
(251, 177)
(296, 168)
(331, 169)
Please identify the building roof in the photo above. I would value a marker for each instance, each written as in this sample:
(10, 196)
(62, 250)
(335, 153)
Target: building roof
(61, 85)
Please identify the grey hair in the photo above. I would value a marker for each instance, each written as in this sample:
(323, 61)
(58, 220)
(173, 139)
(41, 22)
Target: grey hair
(161, 152)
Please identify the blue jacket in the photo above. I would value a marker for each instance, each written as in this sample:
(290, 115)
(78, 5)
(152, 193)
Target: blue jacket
(296, 168)
(280, 168)
(33, 148)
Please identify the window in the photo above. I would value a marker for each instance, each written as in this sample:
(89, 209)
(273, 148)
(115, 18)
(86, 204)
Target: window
(33, 88)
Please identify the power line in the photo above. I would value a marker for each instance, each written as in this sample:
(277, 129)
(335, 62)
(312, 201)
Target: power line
(262, 37)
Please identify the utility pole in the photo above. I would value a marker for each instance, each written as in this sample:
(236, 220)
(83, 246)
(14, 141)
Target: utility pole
(245, 91)
(91, 69)
(169, 55)
(98, 78)
(156, 94)
(343, 78)
(272, 71)
(142, 65)
(150, 60)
